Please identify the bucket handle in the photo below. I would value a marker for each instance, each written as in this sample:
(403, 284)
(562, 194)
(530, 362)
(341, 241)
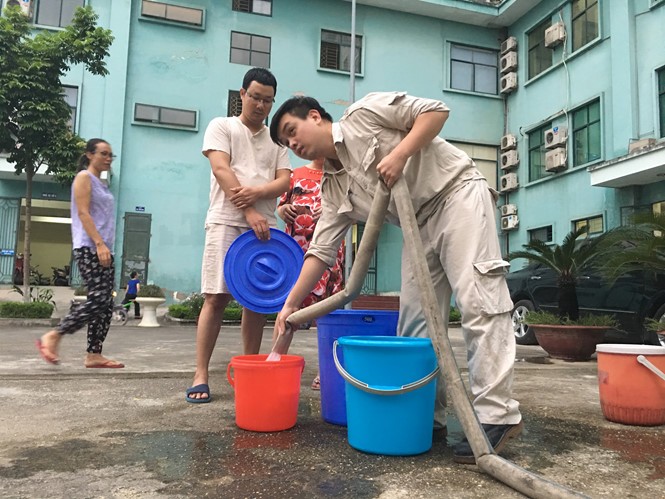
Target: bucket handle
(409, 387)
(228, 376)
(643, 360)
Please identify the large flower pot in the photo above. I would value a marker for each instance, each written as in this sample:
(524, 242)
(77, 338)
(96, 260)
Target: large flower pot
(572, 343)
(149, 311)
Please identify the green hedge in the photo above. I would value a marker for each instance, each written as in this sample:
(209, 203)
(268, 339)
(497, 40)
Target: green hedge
(455, 315)
(21, 310)
(188, 312)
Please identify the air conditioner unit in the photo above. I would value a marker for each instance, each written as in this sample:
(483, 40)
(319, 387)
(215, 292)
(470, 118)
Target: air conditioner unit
(556, 137)
(508, 209)
(508, 44)
(554, 35)
(556, 159)
(508, 142)
(510, 159)
(509, 182)
(508, 62)
(508, 83)
(510, 222)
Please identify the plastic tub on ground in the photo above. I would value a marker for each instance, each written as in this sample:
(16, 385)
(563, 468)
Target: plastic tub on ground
(332, 327)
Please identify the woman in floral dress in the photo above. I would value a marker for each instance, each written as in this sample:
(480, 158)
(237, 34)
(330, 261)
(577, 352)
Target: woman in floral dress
(300, 208)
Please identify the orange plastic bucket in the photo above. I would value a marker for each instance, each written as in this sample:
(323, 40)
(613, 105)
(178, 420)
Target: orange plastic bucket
(266, 393)
(631, 384)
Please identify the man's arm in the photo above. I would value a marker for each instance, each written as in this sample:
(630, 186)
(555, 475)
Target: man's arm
(425, 127)
(311, 272)
(220, 162)
(245, 196)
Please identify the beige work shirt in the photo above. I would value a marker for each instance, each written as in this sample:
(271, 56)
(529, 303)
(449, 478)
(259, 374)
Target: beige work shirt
(255, 159)
(369, 130)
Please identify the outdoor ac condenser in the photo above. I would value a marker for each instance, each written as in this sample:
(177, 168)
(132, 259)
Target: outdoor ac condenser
(510, 222)
(508, 44)
(556, 137)
(508, 62)
(508, 142)
(510, 159)
(508, 83)
(508, 209)
(509, 182)
(556, 160)
(554, 35)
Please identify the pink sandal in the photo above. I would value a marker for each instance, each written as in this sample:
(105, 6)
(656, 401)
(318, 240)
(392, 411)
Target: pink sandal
(316, 384)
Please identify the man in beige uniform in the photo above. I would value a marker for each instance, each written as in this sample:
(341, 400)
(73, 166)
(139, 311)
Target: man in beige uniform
(393, 134)
(248, 173)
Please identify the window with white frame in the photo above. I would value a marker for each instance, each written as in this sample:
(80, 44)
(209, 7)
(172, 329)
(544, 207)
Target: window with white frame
(586, 134)
(474, 69)
(57, 13)
(262, 7)
(252, 50)
(585, 22)
(537, 153)
(594, 225)
(661, 100)
(485, 158)
(336, 51)
(186, 16)
(71, 96)
(234, 106)
(540, 57)
(165, 116)
(543, 234)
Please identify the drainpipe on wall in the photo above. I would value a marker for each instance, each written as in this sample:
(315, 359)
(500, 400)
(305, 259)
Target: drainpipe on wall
(348, 260)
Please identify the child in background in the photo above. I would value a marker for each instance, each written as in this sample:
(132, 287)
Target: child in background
(132, 290)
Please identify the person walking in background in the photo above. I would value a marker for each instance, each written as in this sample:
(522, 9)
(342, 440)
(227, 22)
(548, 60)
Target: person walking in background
(132, 289)
(93, 236)
(300, 208)
(389, 135)
(248, 174)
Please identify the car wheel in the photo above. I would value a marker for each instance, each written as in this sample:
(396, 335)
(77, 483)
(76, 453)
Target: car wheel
(659, 316)
(524, 335)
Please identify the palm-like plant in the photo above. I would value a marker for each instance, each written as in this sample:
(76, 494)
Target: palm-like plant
(640, 246)
(568, 260)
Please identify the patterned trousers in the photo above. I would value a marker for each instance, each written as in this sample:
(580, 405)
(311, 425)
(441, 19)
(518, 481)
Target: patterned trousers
(97, 310)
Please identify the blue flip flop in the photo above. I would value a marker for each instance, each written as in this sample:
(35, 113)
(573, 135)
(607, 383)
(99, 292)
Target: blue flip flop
(202, 388)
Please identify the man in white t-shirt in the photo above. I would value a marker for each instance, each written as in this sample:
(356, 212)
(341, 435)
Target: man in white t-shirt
(249, 173)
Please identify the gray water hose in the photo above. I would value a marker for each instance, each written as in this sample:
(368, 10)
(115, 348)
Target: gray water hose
(529, 484)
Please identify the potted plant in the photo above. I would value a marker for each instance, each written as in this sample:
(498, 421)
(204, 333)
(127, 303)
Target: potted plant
(80, 294)
(150, 296)
(565, 335)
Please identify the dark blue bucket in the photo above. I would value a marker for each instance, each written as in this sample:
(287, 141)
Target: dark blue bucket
(390, 392)
(333, 326)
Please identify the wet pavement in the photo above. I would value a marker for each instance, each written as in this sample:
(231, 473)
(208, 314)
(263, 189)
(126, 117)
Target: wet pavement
(67, 431)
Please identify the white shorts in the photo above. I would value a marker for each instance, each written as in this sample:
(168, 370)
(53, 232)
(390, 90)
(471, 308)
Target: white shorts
(218, 239)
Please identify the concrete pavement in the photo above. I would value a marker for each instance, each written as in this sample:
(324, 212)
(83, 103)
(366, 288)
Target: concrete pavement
(67, 431)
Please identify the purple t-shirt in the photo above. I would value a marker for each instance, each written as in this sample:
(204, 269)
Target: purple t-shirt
(102, 211)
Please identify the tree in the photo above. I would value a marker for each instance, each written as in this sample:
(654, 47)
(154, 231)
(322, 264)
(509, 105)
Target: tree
(34, 117)
(568, 260)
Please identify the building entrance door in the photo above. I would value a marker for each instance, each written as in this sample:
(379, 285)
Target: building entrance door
(9, 220)
(135, 246)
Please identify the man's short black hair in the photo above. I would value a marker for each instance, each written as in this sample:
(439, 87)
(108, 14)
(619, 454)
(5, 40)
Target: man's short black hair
(259, 75)
(299, 107)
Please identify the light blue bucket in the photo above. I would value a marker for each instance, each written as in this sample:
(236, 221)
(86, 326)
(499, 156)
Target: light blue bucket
(390, 392)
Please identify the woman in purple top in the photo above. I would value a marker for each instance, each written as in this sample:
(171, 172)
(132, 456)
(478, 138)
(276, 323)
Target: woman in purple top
(93, 235)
